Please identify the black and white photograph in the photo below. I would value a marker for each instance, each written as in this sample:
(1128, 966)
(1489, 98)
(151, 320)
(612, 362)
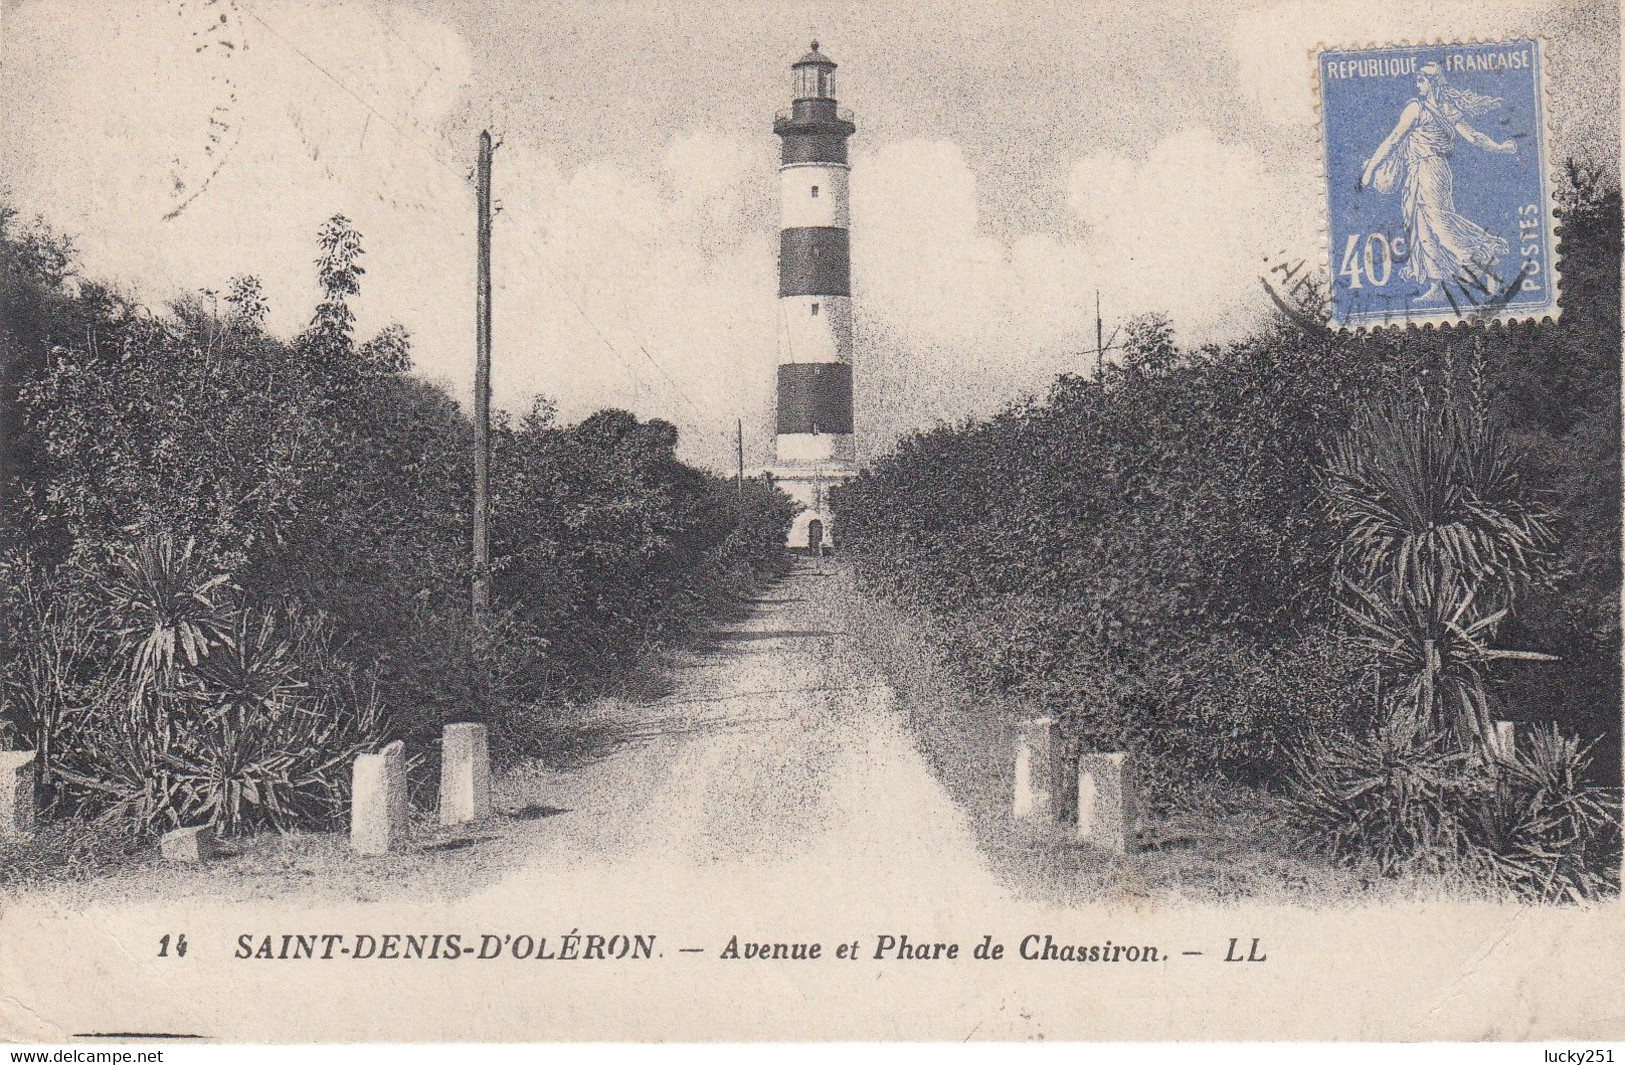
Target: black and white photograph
(575, 521)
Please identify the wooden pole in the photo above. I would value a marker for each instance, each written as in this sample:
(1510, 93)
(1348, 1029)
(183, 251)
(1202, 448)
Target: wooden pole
(1100, 342)
(739, 447)
(482, 386)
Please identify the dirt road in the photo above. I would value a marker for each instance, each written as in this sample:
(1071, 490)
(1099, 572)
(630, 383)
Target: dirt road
(778, 758)
(771, 796)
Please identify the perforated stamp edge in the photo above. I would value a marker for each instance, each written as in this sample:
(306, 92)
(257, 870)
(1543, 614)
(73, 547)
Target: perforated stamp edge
(1444, 319)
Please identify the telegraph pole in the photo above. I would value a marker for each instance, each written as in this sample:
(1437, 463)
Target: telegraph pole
(739, 447)
(482, 386)
(1101, 346)
(1100, 341)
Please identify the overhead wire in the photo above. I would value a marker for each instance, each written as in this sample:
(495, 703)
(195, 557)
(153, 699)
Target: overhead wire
(428, 148)
(356, 96)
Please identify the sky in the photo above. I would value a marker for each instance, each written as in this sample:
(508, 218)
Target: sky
(1011, 160)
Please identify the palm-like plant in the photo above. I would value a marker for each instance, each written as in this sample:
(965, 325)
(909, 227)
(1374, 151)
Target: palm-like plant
(1425, 493)
(1436, 640)
(250, 668)
(240, 718)
(1547, 831)
(1440, 536)
(1387, 795)
(263, 749)
(168, 607)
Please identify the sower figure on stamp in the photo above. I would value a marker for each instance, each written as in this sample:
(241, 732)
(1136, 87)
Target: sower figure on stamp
(1441, 244)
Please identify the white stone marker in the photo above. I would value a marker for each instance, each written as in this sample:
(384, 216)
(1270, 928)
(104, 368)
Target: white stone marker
(1107, 805)
(1506, 738)
(378, 809)
(1038, 745)
(196, 844)
(465, 774)
(16, 793)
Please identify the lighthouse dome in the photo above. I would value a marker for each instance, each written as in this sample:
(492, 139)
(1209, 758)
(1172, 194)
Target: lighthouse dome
(814, 58)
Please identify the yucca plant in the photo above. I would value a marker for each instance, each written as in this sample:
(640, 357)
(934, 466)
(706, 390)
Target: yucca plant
(239, 718)
(1439, 538)
(168, 607)
(242, 739)
(1436, 641)
(118, 763)
(1426, 494)
(249, 668)
(1393, 797)
(1549, 833)
(263, 747)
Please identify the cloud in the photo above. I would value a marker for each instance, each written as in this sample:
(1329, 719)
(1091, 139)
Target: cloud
(650, 289)
(1187, 225)
(954, 322)
(645, 290)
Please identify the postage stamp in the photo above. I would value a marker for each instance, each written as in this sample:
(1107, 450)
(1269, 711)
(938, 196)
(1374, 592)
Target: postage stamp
(1438, 190)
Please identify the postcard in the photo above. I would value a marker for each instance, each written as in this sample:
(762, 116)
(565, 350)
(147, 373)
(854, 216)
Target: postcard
(658, 521)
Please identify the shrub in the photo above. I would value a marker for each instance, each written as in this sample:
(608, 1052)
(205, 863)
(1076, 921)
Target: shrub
(1150, 553)
(1389, 796)
(159, 452)
(56, 659)
(1405, 800)
(1440, 537)
(169, 611)
(217, 713)
(1142, 554)
(1548, 831)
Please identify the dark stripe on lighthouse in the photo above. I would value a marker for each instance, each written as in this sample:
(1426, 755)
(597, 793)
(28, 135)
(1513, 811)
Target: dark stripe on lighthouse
(812, 148)
(815, 397)
(814, 261)
(813, 132)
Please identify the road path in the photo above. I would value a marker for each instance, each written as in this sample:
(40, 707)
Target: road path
(777, 760)
(773, 795)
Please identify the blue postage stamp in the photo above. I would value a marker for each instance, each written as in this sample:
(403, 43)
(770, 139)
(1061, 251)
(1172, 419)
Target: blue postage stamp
(1438, 193)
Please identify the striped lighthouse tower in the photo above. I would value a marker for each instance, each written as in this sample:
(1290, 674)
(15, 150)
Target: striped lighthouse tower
(813, 442)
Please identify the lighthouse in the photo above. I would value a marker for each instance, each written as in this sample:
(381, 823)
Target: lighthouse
(813, 444)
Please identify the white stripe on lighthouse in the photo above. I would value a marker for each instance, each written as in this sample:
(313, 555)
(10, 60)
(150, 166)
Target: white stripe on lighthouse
(813, 194)
(815, 329)
(814, 447)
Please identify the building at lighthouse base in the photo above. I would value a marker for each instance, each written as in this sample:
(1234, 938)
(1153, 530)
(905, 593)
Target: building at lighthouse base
(814, 524)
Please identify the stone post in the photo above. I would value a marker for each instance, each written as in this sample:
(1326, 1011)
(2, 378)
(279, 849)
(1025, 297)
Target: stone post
(1506, 738)
(1107, 804)
(465, 774)
(17, 771)
(1038, 745)
(378, 807)
(196, 844)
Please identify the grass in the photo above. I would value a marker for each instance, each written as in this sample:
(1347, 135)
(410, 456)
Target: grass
(1222, 845)
(63, 851)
